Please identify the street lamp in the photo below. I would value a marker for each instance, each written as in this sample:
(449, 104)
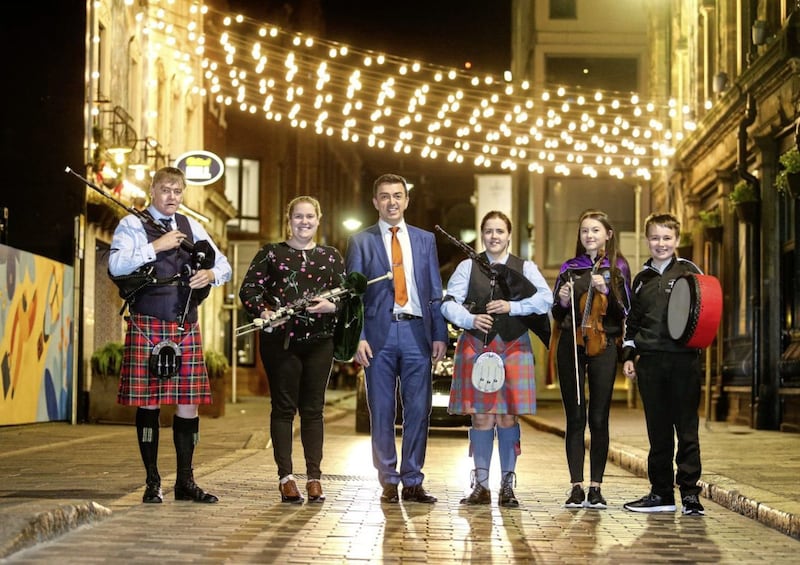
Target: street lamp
(351, 224)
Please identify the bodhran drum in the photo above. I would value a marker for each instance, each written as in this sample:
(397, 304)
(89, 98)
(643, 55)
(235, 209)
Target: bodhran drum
(489, 372)
(694, 310)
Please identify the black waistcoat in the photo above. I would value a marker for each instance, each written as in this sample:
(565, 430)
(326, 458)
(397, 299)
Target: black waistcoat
(480, 293)
(168, 301)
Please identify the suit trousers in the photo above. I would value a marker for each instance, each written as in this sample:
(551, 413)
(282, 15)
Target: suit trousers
(401, 358)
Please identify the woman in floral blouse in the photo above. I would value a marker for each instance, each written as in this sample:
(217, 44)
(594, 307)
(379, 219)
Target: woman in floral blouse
(297, 354)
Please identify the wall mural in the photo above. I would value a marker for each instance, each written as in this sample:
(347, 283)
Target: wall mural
(36, 349)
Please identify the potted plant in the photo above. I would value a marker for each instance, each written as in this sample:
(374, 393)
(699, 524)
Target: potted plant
(788, 178)
(745, 199)
(712, 222)
(217, 366)
(107, 361)
(106, 364)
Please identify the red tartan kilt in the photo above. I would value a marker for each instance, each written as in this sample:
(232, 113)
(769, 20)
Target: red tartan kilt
(138, 388)
(518, 393)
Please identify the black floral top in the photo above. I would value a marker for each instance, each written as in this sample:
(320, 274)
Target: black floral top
(280, 274)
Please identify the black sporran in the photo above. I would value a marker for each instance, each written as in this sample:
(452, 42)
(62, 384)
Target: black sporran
(165, 360)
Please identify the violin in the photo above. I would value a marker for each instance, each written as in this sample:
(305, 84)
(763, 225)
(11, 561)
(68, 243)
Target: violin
(592, 335)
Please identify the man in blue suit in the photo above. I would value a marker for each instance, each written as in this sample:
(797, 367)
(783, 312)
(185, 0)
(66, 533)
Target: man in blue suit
(404, 333)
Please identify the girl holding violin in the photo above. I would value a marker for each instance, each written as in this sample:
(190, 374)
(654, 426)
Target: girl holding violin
(592, 299)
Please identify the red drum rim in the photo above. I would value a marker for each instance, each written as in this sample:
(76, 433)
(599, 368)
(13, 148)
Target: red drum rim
(694, 310)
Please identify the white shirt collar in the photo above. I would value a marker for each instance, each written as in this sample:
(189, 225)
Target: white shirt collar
(385, 226)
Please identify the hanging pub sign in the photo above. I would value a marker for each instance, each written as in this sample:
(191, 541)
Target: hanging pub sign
(200, 167)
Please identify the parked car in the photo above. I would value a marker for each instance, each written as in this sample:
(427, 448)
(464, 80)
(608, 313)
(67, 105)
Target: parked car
(442, 377)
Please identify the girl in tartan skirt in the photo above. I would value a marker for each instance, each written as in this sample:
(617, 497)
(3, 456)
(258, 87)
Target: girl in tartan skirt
(164, 313)
(493, 324)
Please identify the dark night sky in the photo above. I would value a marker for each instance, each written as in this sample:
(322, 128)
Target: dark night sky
(441, 32)
(444, 32)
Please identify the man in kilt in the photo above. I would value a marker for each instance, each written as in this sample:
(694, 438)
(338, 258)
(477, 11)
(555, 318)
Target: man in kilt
(163, 358)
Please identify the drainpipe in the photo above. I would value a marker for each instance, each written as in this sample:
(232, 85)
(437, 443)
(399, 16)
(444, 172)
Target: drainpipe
(741, 156)
(757, 409)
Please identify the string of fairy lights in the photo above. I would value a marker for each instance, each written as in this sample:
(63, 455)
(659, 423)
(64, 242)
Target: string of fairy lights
(413, 107)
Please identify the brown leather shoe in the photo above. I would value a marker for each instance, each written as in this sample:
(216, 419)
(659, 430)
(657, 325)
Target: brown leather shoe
(417, 494)
(290, 493)
(314, 490)
(389, 494)
(479, 495)
(507, 497)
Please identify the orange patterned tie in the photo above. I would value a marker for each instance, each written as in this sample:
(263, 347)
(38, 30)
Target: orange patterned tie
(399, 275)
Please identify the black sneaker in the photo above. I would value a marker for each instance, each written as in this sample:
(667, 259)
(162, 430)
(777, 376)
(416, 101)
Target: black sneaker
(595, 500)
(576, 497)
(651, 503)
(692, 506)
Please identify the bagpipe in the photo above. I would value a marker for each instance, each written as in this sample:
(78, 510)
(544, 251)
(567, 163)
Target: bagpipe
(350, 319)
(202, 256)
(513, 284)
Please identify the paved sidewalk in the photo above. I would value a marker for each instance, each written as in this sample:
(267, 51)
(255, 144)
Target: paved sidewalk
(752, 472)
(55, 476)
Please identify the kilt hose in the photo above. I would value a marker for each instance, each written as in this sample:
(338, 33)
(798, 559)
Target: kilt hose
(138, 388)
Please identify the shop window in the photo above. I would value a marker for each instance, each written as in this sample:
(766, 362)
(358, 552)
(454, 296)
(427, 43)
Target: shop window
(242, 188)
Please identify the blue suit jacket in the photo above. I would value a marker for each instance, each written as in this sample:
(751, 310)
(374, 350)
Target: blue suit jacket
(367, 255)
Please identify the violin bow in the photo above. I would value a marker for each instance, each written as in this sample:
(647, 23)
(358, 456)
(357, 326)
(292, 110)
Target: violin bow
(574, 339)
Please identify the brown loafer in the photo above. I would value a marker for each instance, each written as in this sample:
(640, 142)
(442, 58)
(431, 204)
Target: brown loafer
(290, 493)
(417, 494)
(314, 490)
(389, 494)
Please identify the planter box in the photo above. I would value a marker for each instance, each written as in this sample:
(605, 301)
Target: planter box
(713, 233)
(217, 408)
(793, 180)
(104, 408)
(748, 212)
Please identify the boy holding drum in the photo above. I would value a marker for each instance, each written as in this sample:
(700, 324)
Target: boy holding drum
(668, 374)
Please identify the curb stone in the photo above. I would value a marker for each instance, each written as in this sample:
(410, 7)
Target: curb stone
(50, 524)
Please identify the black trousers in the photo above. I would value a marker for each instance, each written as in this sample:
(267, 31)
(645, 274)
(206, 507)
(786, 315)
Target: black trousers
(601, 371)
(298, 377)
(669, 384)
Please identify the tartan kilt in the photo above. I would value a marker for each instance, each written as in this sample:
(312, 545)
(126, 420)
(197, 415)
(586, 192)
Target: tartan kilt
(138, 388)
(518, 393)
